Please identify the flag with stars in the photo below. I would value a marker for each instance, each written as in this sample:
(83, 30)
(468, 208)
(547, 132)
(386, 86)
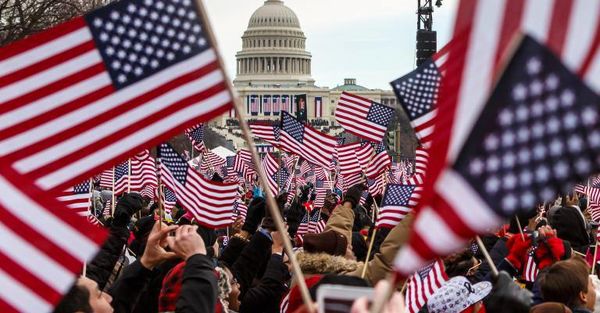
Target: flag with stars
(240, 209)
(380, 162)
(363, 117)
(397, 202)
(423, 284)
(317, 223)
(90, 92)
(271, 167)
(305, 141)
(78, 198)
(535, 137)
(303, 227)
(417, 92)
(266, 132)
(196, 136)
(210, 202)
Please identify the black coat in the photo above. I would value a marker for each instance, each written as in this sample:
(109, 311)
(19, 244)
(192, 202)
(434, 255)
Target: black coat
(252, 261)
(102, 265)
(265, 297)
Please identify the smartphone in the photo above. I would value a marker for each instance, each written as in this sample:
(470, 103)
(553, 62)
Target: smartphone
(339, 299)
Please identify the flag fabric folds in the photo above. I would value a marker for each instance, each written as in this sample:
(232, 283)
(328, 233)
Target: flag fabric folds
(532, 139)
(423, 284)
(82, 96)
(397, 202)
(210, 202)
(196, 136)
(363, 117)
(43, 246)
(268, 133)
(307, 142)
(78, 198)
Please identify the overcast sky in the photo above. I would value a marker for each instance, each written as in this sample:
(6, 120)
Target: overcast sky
(370, 40)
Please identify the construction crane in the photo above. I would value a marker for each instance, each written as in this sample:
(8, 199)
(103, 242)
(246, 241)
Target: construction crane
(426, 37)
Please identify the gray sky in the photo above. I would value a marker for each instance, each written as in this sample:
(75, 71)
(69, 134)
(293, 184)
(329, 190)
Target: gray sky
(370, 40)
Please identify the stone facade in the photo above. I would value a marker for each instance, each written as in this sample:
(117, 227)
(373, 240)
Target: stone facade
(274, 67)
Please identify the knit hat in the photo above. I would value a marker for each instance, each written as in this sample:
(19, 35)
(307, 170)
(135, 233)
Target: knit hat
(330, 242)
(457, 294)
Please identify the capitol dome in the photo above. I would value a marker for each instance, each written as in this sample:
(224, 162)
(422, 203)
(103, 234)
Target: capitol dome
(273, 49)
(274, 14)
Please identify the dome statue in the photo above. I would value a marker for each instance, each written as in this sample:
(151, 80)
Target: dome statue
(273, 49)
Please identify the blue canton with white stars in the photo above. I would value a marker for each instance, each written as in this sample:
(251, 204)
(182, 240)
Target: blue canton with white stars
(82, 188)
(197, 134)
(380, 114)
(537, 136)
(397, 195)
(292, 126)
(169, 195)
(379, 147)
(281, 177)
(418, 90)
(139, 38)
(121, 170)
(424, 272)
(276, 131)
(174, 162)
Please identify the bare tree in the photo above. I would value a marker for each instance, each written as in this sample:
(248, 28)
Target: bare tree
(21, 18)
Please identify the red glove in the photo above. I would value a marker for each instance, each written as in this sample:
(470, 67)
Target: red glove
(550, 250)
(517, 250)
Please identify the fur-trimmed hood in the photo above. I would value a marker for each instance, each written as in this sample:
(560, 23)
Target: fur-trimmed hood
(323, 263)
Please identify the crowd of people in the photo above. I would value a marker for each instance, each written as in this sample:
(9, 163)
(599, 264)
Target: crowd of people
(151, 265)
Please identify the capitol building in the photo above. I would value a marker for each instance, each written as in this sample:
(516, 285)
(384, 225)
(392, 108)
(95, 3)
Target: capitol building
(273, 73)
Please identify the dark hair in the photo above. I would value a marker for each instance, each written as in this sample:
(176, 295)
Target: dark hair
(564, 281)
(458, 264)
(76, 300)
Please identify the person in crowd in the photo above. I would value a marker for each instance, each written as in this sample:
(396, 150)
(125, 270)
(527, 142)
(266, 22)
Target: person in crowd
(568, 282)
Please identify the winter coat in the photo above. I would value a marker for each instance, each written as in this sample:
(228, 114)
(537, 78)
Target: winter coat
(342, 220)
(265, 297)
(252, 261)
(102, 266)
(127, 290)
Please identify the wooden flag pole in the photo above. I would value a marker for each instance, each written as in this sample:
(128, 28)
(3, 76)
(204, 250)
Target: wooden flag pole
(271, 203)
(595, 255)
(520, 228)
(486, 254)
(129, 175)
(364, 271)
(112, 203)
(287, 188)
(159, 190)
(373, 234)
(92, 208)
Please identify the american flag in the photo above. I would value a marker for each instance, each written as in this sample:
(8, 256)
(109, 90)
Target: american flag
(106, 178)
(267, 105)
(380, 162)
(210, 202)
(421, 160)
(316, 225)
(239, 209)
(271, 167)
(417, 92)
(593, 194)
(283, 179)
(143, 172)
(351, 180)
(307, 142)
(254, 105)
(78, 198)
(87, 93)
(212, 163)
(303, 227)
(169, 199)
(196, 136)
(364, 154)
(347, 159)
(321, 189)
(535, 136)
(363, 117)
(43, 247)
(305, 168)
(397, 202)
(320, 173)
(266, 132)
(276, 105)
(376, 186)
(531, 271)
(423, 284)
